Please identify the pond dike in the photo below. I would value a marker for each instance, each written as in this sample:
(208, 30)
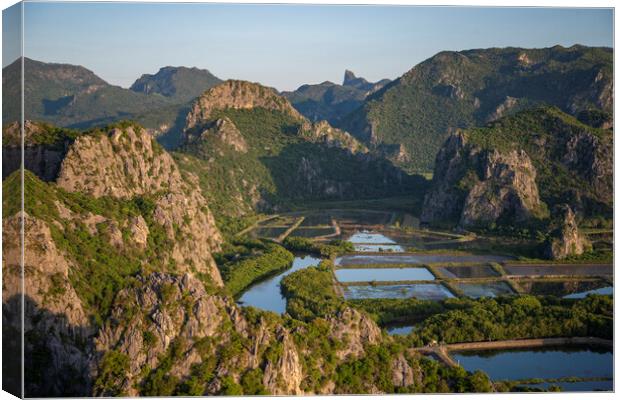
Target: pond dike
(442, 352)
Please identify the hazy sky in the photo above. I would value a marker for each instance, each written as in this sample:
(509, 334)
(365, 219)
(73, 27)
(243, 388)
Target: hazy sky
(287, 45)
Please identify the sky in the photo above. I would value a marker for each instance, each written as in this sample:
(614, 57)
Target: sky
(285, 46)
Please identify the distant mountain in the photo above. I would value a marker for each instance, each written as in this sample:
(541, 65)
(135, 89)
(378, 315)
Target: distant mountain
(72, 96)
(330, 101)
(253, 150)
(350, 80)
(179, 83)
(517, 167)
(461, 89)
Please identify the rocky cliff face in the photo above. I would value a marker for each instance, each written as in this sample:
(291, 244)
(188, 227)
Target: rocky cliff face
(56, 326)
(125, 163)
(507, 170)
(44, 149)
(566, 239)
(236, 95)
(479, 187)
(469, 88)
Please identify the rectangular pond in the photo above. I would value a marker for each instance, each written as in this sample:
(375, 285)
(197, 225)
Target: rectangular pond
(268, 232)
(383, 274)
(560, 269)
(568, 288)
(607, 291)
(542, 363)
(378, 248)
(370, 238)
(487, 289)
(422, 291)
(312, 232)
(476, 271)
(361, 259)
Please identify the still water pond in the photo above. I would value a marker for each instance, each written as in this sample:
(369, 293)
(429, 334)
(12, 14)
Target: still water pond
(488, 289)
(360, 259)
(383, 274)
(609, 290)
(423, 291)
(550, 269)
(266, 295)
(476, 271)
(543, 363)
(370, 238)
(400, 329)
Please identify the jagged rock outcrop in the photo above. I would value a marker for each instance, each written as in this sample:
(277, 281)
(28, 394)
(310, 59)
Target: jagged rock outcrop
(592, 158)
(236, 95)
(56, 326)
(355, 329)
(223, 129)
(180, 316)
(127, 162)
(470, 88)
(44, 149)
(478, 187)
(516, 167)
(506, 189)
(323, 132)
(566, 239)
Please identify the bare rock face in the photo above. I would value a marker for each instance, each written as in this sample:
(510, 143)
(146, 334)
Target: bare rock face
(125, 163)
(507, 187)
(478, 187)
(225, 130)
(592, 158)
(55, 324)
(284, 376)
(43, 151)
(121, 163)
(402, 373)
(165, 314)
(566, 239)
(355, 330)
(169, 309)
(323, 132)
(501, 110)
(237, 95)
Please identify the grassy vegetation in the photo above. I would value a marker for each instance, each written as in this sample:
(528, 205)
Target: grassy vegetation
(99, 269)
(418, 112)
(279, 167)
(310, 293)
(248, 261)
(387, 311)
(469, 320)
(557, 183)
(331, 249)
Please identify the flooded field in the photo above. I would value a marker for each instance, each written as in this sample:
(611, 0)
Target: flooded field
(476, 271)
(312, 232)
(383, 274)
(562, 288)
(559, 269)
(268, 232)
(607, 290)
(542, 363)
(400, 329)
(360, 259)
(423, 291)
(370, 238)
(266, 295)
(487, 289)
(379, 248)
